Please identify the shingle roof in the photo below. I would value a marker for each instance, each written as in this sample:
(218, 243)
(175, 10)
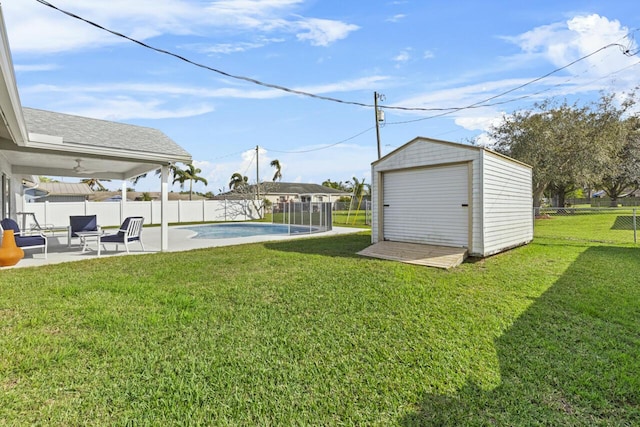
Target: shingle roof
(100, 133)
(299, 188)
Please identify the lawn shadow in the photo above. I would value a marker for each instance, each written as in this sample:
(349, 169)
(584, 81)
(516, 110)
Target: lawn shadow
(623, 222)
(345, 245)
(572, 358)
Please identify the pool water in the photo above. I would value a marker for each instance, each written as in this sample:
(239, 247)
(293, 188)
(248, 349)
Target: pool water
(226, 231)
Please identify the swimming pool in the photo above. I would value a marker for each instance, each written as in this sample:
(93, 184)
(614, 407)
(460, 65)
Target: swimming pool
(236, 229)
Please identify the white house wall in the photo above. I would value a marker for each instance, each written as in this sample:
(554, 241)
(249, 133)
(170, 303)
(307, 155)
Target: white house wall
(423, 152)
(507, 205)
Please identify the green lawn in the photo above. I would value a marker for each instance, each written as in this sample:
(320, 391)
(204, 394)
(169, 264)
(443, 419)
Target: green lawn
(608, 226)
(307, 333)
(354, 218)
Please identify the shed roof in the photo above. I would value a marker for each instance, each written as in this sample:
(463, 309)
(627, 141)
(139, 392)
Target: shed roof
(422, 139)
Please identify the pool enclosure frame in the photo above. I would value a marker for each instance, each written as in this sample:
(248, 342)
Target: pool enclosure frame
(318, 216)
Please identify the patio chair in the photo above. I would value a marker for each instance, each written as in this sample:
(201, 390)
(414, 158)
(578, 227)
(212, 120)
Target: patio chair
(29, 241)
(78, 223)
(130, 231)
(36, 226)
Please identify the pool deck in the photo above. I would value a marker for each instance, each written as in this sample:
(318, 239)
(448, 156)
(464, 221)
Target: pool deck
(180, 239)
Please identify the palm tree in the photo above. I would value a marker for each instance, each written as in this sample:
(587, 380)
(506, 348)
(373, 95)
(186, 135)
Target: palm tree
(358, 188)
(172, 172)
(238, 181)
(95, 182)
(334, 184)
(278, 175)
(189, 174)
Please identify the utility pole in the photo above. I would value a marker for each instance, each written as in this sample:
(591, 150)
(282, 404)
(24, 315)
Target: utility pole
(257, 174)
(379, 117)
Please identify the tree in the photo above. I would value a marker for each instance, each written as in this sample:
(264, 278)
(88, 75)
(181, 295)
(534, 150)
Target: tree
(622, 173)
(189, 174)
(358, 189)
(94, 183)
(278, 175)
(238, 181)
(337, 185)
(562, 143)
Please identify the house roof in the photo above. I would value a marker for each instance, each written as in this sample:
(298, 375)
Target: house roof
(65, 188)
(37, 142)
(282, 188)
(300, 188)
(100, 133)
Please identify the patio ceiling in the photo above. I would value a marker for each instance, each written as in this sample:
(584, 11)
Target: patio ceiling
(78, 162)
(29, 162)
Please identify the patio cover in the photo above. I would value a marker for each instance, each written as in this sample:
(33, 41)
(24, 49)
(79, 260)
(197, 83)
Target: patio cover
(38, 142)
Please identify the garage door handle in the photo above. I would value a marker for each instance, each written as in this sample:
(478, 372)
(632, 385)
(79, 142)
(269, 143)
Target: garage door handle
(386, 206)
(465, 205)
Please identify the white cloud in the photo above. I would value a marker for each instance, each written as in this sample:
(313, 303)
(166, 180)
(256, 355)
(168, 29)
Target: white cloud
(364, 83)
(125, 108)
(23, 68)
(142, 100)
(428, 55)
(323, 32)
(403, 56)
(36, 28)
(563, 43)
(338, 163)
(396, 18)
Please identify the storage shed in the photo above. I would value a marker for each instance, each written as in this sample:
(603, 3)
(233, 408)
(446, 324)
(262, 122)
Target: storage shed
(442, 193)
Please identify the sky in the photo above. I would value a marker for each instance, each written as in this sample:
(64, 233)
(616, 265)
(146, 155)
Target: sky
(445, 70)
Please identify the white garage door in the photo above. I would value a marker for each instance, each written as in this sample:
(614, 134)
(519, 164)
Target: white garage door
(429, 205)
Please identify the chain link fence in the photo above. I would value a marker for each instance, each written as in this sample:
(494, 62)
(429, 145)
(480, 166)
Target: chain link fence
(607, 225)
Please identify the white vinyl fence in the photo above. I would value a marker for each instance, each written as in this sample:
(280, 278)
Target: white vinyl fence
(113, 213)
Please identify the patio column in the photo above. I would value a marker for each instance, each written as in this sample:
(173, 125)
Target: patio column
(164, 199)
(123, 200)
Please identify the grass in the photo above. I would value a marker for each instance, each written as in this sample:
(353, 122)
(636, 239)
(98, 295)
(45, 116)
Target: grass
(340, 219)
(356, 218)
(305, 332)
(609, 226)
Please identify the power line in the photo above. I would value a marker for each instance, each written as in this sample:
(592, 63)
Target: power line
(326, 146)
(449, 110)
(200, 65)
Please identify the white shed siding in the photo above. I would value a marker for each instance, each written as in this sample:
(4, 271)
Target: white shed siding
(422, 152)
(427, 205)
(507, 205)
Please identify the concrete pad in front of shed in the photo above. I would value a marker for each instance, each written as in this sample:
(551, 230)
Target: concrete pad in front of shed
(415, 253)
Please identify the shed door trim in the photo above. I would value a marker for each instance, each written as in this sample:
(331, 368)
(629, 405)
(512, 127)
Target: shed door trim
(430, 205)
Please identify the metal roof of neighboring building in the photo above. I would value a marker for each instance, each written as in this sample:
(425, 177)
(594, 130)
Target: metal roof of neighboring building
(65, 188)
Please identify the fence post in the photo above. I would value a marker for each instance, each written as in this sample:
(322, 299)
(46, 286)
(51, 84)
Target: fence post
(635, 229)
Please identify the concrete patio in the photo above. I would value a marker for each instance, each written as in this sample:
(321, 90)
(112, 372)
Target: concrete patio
(180, 239)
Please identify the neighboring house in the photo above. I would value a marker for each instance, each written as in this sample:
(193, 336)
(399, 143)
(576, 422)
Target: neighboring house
(279, 192)
(116, 196)
(45, 143)
(58, 192)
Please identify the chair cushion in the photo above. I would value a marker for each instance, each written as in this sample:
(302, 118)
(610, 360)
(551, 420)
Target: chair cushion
(83, 223)
(9, 224)
(23, 241)
(113, 238)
